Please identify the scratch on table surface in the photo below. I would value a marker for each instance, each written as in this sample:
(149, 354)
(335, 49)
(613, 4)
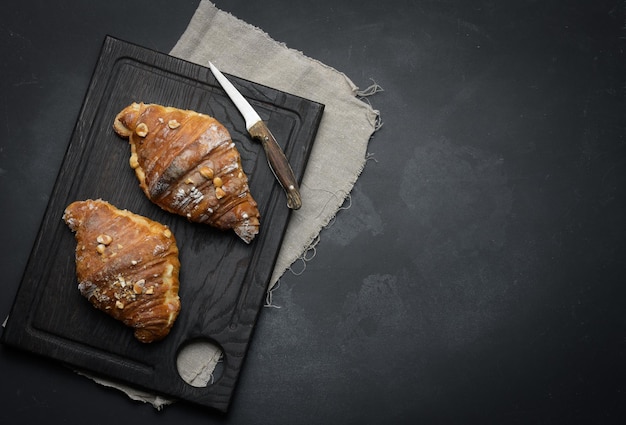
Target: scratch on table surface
(16, 34)
(32, 81)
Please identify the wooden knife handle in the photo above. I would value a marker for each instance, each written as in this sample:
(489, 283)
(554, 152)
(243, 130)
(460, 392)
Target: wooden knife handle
(278, 163)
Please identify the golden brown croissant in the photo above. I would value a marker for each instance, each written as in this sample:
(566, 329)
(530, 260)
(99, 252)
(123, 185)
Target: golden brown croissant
(187, 164)
(127, 266)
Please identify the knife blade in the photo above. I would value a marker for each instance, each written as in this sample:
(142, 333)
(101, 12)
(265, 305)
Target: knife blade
(258, 130)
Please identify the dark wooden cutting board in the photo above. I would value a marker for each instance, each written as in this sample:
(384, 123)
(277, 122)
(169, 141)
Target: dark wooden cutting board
(223, 280)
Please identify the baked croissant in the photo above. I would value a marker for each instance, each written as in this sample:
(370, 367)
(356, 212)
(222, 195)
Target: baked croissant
(187, 164)
(127, 266)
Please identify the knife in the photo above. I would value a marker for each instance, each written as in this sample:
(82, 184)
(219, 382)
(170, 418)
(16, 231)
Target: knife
(258, 130)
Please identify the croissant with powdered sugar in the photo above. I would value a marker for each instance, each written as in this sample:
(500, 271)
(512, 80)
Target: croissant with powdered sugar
(187, 164)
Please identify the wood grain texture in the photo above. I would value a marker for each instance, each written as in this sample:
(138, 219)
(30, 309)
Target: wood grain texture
(223, 280)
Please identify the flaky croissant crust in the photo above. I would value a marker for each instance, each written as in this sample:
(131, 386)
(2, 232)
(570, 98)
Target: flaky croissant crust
(127, 266)
(187, 164)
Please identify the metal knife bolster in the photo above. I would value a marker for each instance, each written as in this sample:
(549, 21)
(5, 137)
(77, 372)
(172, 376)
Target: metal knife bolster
(278, 163)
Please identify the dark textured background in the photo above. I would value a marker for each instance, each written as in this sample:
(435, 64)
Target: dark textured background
(478, 275)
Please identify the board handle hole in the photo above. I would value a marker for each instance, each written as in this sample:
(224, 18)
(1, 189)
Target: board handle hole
(200, 362)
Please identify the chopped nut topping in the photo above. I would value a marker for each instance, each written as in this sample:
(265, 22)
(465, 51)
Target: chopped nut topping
(139, 286)
(141, 129)
(217, 182)
(188, 180)
(119, 304)
(219, 193)
(100, 248)
(173, 124)
(104, 239)
(206, 172)
(150, 290)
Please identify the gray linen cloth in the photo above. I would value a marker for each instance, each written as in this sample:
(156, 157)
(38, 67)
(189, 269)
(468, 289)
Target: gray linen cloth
(339, 152)
(337, 159)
